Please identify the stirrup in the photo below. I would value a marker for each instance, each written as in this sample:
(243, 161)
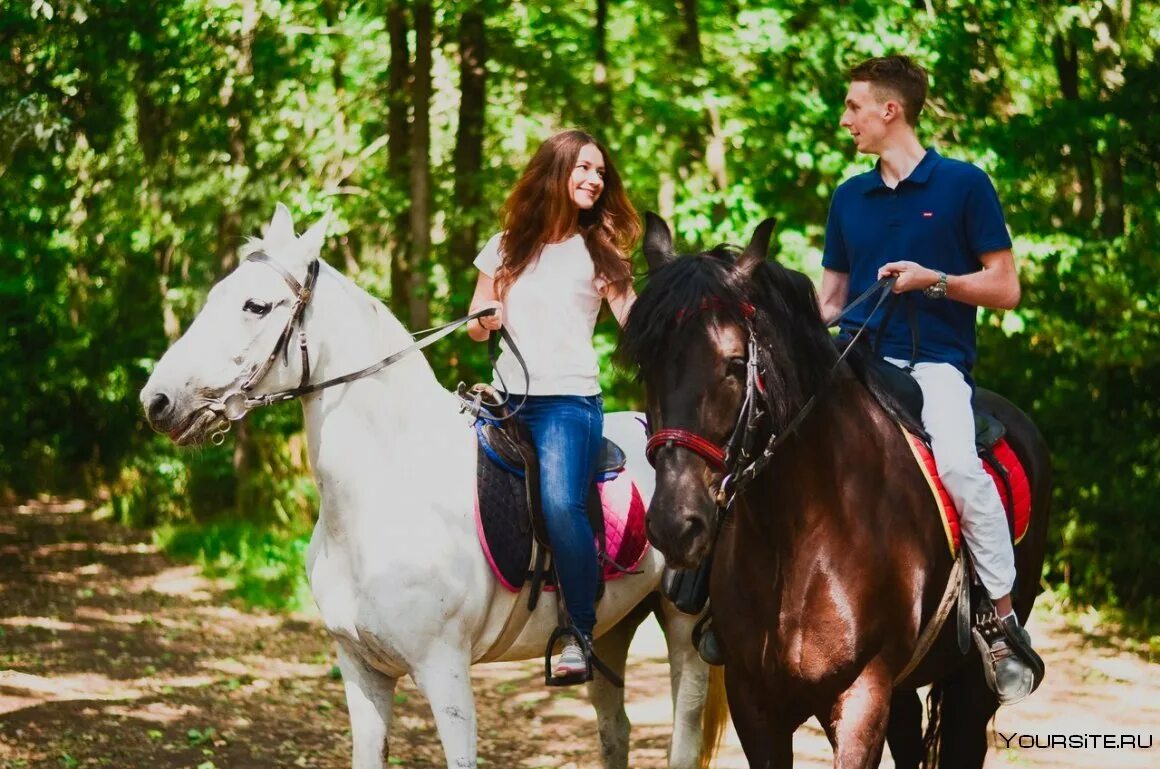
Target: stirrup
(706, 642)
(988, 631)
(592, 661)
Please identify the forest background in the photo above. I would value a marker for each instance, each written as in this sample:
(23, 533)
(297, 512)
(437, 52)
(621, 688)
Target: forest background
(141, 141)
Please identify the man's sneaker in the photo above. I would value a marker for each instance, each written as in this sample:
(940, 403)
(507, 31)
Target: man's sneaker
(1012, 668)
(572, 662)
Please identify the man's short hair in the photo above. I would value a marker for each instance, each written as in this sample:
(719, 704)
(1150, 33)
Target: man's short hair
(900, 76)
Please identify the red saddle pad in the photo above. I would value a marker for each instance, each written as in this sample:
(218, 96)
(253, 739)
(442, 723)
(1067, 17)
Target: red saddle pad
(1017, 503)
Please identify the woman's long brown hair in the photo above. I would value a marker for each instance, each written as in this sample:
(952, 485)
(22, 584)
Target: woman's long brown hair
(539, 210)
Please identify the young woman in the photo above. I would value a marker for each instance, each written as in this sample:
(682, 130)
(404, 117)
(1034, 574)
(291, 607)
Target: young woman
(568, 230)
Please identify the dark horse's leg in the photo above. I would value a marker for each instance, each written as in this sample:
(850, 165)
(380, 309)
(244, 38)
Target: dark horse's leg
(857, 721)
(967, 705)
(766, 736)
(904, 730)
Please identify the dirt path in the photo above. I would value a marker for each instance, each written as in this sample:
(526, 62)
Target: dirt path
(110, 655)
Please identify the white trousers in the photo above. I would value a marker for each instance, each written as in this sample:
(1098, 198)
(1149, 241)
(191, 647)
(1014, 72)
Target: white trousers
(949, 419)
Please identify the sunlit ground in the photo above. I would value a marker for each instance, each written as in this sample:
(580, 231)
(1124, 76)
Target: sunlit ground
(111, 655)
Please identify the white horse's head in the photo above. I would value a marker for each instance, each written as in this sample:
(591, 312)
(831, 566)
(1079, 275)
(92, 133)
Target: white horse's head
(201, 380)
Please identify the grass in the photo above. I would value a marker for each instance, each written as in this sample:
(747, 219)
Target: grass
(1135, 630)
(264, 567)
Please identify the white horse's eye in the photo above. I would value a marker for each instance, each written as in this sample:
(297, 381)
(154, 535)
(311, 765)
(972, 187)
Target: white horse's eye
(258, 308)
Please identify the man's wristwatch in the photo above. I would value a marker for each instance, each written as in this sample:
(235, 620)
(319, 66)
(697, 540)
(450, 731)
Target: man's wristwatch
(939, 289)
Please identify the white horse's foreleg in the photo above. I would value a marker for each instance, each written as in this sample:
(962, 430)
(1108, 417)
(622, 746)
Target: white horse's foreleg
(690, 682)
(612, 721)
(370, 699)
(444, 677)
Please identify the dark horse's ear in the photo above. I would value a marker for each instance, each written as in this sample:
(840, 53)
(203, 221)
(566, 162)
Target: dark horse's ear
(758, 248)
(658, 241)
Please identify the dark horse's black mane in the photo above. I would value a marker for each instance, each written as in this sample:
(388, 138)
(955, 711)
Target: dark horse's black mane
(797, 350)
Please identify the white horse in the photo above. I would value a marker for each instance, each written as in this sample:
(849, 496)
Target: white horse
(394, 563)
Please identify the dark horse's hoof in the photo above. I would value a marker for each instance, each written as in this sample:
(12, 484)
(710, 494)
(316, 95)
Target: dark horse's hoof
(1012, 668)
(708, 647)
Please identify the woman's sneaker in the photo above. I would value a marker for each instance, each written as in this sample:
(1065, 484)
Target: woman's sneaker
(572, 661)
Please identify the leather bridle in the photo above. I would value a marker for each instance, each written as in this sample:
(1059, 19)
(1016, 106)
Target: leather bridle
(736, 461)
(302, 294)
(235, 405)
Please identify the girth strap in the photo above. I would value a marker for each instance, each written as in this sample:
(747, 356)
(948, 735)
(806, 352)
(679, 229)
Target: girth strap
(931, 631)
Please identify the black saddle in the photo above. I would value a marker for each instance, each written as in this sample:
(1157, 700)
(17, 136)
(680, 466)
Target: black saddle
(507, 458)
(902, 387)
(512, 449)
(899, 394)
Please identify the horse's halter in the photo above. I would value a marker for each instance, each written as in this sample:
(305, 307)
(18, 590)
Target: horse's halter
(302, 294)
(237, 403)
(736, 459)
(234, 406)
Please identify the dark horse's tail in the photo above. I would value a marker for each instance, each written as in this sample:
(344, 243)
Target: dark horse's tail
(932, 737)
(959, 707)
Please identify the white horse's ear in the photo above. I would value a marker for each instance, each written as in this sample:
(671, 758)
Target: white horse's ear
(312, 240)
(282, 225)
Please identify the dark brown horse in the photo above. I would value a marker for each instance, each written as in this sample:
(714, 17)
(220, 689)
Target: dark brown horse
(832, 559)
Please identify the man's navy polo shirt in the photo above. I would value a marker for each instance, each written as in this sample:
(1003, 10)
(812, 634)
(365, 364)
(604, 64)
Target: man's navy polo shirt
(944, 216)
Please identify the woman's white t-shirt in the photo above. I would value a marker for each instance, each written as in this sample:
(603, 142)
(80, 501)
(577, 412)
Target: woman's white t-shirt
(550, 312)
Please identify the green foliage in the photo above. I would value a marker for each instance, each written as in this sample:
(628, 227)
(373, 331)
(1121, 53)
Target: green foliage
(262, 565)
(142, 141)
(1082, 354)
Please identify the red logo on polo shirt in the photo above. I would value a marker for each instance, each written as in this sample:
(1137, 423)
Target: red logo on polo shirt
(927, 214)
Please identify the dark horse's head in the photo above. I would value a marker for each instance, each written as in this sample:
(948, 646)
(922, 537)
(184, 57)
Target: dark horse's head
(708, 332)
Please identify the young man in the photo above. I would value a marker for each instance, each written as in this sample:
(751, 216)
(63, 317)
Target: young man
(936, 225)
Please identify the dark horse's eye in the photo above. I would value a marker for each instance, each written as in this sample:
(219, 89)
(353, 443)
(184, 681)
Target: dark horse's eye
(258, 308)
(735, 367)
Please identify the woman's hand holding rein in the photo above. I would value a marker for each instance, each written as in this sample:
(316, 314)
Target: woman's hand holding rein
(493, 322)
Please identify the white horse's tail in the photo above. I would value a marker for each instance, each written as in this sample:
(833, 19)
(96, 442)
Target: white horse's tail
(715, 716)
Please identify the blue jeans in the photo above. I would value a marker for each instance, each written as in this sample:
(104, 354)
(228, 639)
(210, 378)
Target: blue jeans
(567, 431)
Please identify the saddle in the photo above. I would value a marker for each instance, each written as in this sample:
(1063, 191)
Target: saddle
(507, 446)
(906, 397)
(514, 533)
(898, 392)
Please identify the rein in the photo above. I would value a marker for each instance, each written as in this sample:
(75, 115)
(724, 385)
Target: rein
(238, 403)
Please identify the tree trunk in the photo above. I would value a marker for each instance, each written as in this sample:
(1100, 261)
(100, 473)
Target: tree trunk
(1112, 179)
(1067, 67)
(600, 74)
(469, 146)
(152, 131)
(336, 170)
(238, 120)
(690, 39)
(1108, 58)
(421, 168)
(151, 118)
(399, 156)
(710, 131)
